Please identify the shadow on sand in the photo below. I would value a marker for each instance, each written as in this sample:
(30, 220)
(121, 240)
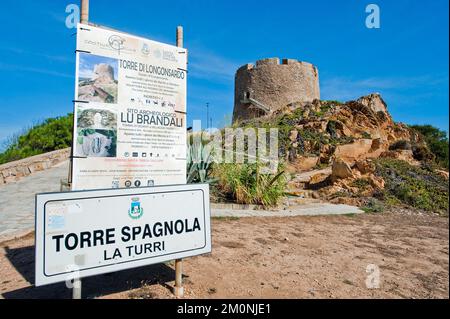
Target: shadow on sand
(23, 261)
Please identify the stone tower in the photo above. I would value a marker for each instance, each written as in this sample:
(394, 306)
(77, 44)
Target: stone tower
(268, 86)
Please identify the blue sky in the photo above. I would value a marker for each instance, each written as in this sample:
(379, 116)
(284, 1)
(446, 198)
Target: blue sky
(406, 60)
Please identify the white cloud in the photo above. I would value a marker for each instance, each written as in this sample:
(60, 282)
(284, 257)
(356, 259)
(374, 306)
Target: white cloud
(85, 70)
(211, 66)
(20, 68)
(50, 57)
(346, 88)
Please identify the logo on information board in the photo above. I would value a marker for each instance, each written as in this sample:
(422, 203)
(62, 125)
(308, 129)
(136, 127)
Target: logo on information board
(116, 42)
(145, 49)
(135, 211)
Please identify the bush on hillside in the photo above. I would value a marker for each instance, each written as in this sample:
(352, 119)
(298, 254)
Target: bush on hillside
(437, 142)
(400, 145)
(52, 134)
(418, 187)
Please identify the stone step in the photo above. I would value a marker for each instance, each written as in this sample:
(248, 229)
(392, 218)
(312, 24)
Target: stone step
(296, 201)
(302, 193)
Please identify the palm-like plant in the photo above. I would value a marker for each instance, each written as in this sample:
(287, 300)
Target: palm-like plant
(199, 162)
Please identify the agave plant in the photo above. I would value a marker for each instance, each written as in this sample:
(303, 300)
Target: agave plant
(199, 162)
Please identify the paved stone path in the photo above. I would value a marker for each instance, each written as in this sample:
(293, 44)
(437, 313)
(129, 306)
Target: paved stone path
(17, 203)
(17, 199)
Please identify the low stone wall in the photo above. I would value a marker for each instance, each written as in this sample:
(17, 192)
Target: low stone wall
(13, 171)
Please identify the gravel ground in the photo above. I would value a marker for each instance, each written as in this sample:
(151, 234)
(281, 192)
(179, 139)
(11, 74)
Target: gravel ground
(277, 257)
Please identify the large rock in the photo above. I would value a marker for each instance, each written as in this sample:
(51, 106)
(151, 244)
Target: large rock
(354, 151)
(377, 144)
(304, 163)
(376, 103)
(340, 170)
(307, 163)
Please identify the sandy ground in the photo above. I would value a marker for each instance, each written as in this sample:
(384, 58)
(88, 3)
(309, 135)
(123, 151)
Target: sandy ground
(272, 257)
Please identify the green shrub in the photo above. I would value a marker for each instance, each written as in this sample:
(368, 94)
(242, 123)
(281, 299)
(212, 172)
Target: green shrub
(330, 103)
(361, 183)
(437, 142)
(325, 106)
(286, 122)
(246, 184)
(400, 145)
(53, 134)
(414, 186)
(423, 154)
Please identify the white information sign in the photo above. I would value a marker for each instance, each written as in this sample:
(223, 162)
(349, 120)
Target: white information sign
(88, 233)
(130, 111)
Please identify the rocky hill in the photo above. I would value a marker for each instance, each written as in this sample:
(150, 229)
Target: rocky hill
(351, 152)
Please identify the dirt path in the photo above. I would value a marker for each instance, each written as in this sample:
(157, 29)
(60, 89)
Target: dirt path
(271, 257)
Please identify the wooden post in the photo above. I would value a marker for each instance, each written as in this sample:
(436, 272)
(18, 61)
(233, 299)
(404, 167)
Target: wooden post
(178, 289)
(84, 17)
(180, 36)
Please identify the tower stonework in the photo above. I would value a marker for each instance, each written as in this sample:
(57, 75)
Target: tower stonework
(270, 85)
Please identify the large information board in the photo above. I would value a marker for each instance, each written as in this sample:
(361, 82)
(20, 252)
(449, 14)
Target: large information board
(130, 111)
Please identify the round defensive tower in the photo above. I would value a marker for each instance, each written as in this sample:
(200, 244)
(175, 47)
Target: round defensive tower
(270, 85)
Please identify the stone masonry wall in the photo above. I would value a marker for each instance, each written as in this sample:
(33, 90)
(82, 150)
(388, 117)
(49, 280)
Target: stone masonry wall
(274, 84)
(13, 171)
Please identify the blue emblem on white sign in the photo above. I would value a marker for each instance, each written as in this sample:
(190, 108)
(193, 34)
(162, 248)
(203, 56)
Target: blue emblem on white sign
(135, 211)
